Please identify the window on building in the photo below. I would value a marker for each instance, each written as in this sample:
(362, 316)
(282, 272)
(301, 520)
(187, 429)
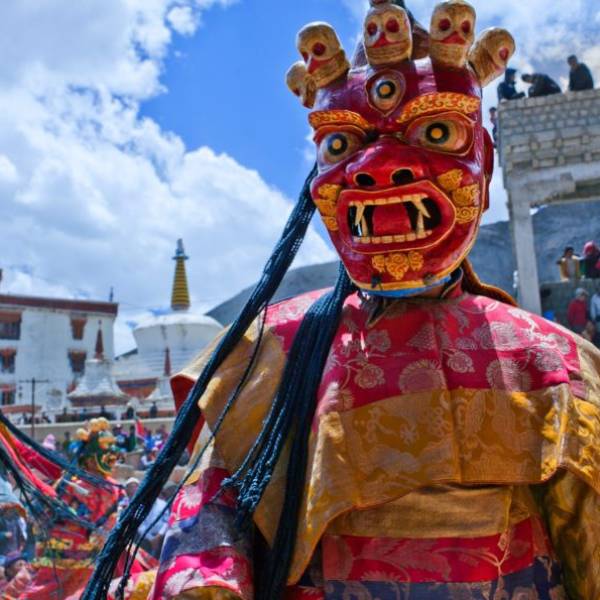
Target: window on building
(78, 327)
(77, 360)
(7, 396)
(7, 360)
(10, 325)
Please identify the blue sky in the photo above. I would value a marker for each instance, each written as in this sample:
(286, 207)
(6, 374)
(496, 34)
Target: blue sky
(225, 84)
(126, 124)
(237, 102)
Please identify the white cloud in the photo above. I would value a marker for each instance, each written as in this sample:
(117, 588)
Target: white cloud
(357, 8)
(8, 171)
(92, 195)
(182, 19)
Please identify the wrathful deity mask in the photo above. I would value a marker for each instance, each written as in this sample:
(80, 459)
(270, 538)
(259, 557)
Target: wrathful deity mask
(98, 450)
(404, 162)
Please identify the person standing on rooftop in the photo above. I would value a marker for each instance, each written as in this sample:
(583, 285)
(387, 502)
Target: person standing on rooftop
(541, 85)
(507, 90)
(580, 77)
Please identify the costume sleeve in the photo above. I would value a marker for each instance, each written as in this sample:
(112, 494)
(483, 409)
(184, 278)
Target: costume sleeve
(204, 555)
(572, 511)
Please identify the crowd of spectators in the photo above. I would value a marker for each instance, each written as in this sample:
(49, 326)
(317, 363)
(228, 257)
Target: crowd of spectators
(583, 314)
(573, 268)
(137, 440)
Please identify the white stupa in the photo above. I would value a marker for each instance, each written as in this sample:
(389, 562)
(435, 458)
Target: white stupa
(97, 389)
(174, 338)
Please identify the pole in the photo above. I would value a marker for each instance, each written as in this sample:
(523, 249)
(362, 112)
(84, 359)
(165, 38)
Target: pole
(34, 382)
(33, 408)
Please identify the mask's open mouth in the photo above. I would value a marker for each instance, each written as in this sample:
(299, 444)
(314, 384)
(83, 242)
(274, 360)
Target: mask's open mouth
(411, 216)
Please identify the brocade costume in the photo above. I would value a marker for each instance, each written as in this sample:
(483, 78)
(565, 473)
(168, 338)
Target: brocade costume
(65, 561)
(454, 454)
(67, 548)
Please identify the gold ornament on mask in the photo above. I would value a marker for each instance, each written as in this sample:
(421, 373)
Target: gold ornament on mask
(466, 214)
(387, 34)
(323, 55)
(326, 203)
(398, 263)
(466, 196)
(452, 33)
(490, 55)
(450, 180)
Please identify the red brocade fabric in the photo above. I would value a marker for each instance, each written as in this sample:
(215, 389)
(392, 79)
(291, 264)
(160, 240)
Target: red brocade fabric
(352, 558)
(421, 402)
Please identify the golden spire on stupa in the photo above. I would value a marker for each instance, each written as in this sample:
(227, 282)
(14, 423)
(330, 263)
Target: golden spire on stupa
(180, 298)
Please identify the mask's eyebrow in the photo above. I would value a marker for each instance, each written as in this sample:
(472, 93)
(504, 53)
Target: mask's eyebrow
(320, 118)
(438, 102)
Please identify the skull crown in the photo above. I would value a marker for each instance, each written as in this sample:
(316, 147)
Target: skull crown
(391, 36)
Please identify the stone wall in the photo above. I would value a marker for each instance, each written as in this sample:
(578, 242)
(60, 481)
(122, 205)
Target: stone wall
(549, 149)
(557, 136)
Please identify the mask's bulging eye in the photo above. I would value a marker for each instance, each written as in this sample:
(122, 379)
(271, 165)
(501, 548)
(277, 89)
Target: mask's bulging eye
(450, 132)
(386, 90)
(437, 133)
(337, 146)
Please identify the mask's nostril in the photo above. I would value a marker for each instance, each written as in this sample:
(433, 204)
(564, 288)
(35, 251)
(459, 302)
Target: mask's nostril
(364, 180)
(403, 176)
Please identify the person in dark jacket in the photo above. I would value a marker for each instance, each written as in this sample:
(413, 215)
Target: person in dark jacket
(507, 89)
(541, 85)
(580, 77)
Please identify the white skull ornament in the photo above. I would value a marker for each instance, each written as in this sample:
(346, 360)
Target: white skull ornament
(452, 33)
(387, 34)
(322, 52)
(491, 53)
(301, 84)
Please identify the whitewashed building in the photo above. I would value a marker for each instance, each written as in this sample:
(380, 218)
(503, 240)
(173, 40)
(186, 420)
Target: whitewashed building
(44, 344)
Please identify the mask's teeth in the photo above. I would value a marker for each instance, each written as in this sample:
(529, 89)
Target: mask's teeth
(364, 228)
(421, 207)
(360, 211)
(420, 224)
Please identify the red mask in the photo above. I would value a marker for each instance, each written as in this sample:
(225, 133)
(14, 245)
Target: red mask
(404, 160)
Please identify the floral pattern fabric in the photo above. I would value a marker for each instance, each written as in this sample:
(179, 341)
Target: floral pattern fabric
(465, 391)
(538, 582)
(203, 548)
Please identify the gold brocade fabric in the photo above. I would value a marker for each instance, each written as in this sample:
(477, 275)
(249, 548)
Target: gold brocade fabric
(572, 511)
(444, 511)
(138, 587)
(375, 454)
